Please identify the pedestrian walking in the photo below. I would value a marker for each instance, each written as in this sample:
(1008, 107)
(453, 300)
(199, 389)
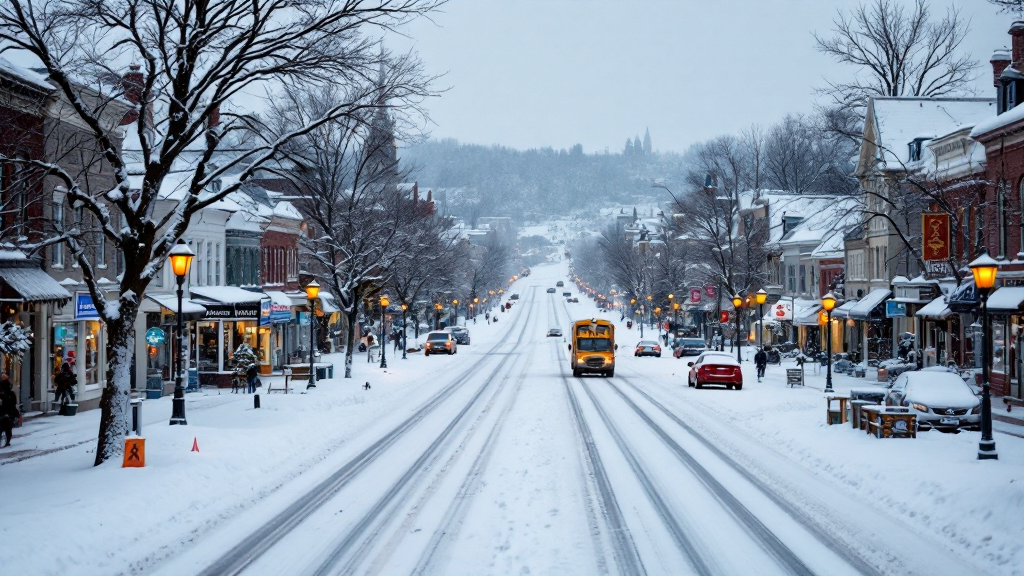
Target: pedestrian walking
(251, 373)
(64, 382)
(761, 361)
(9, 413)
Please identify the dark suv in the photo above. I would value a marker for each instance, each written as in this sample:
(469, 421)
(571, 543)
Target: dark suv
(461, 334)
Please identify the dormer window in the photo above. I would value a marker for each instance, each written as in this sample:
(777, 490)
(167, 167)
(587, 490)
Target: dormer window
(915, 149)
(1011, 90)
(790, 222)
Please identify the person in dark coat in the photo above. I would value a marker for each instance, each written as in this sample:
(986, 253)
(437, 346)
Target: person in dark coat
(64, 382)
(9, 413)
(251, 373)
(761, 361)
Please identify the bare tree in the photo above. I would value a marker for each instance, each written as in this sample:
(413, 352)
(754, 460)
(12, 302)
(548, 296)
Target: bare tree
(1009, 5)
(898, 52)
(487, 268)
(801, 157)
(196, 58)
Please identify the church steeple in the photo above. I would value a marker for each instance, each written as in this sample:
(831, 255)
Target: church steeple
(381, 146)
(647, 142)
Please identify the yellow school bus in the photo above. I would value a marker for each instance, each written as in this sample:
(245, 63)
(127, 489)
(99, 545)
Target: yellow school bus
(593, 347)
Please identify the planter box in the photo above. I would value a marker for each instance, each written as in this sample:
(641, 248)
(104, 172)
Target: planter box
(70, 409)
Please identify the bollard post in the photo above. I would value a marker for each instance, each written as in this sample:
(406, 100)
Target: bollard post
(137, 416)
(256, 400)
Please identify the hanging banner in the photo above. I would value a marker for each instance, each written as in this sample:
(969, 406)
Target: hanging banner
(935, 234)
(694, 295)
(710, 290)
(782, 311)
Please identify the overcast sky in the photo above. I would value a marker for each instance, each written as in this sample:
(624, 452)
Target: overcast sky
(535, 73)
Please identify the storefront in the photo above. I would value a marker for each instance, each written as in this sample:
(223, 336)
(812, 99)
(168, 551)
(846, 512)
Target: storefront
(233, 316)
(938, 325)
(875, 331)
(160, 338)
(1005, 306)
(281, 312)
(79, 339)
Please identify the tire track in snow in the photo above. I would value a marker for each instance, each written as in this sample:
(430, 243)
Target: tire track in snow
(257, 543)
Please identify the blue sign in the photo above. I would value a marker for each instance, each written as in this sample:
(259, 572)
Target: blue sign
(84, 308)
(895, 309)
(155, 336)
(265, 309)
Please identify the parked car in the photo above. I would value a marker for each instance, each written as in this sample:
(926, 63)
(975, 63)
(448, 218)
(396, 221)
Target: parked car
(687, 346)
(560, 284)
(648, 348)
(514, 297)
(941, 400)
(554, 332)
(573, 300)
(440, 342)
(551, 290)
(567, 294)
(715, 368)
(461, 335)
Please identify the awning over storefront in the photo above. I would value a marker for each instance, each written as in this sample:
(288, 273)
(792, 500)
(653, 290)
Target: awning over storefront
(862, 309)
(232, 303)
(844, 310)
(809, 317)
(964, 298)
(280, 307)
(327, 301)
(189, 309)
(33, 285)
(1006, 299)
(935, 310)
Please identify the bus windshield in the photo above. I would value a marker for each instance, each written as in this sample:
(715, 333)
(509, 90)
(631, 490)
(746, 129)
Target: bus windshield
(594, 344)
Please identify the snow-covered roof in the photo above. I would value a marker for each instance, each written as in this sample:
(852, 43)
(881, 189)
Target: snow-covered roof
(996, 123)
(225, 294)
(26, 75)
(898, 120)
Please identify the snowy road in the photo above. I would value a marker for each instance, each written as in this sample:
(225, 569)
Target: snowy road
(512, 466)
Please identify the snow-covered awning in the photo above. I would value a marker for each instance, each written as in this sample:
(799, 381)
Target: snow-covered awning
(33, 285)
(809, 317)
(844, 310)
(1006, 299)
(170, 302)
(862, 309)
(935, 310)
(327, 300)
(226, 294)
(281, 305)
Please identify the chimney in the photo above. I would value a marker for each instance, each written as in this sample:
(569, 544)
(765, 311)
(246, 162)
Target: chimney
(1000, 60)
(415, 194)
(1017, 31)
(132, 84)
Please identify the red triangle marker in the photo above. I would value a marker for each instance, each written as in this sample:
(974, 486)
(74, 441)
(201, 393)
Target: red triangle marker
(195, 444)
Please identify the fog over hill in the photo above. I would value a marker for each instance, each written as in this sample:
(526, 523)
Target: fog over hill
(533, 185)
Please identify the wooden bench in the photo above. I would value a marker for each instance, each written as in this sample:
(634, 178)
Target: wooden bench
(836, 416)
(296, 374)
(890, 422)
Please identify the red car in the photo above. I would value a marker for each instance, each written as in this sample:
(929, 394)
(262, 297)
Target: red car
(715, 368)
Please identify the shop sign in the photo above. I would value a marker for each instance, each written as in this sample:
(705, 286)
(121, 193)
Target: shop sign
(895, 309)
(265, 309)
(242, 311)
(935, 231)
(84, 307)
(694, 295)
(155, 336)
(710, 290)
(280, 313)
(782, 311)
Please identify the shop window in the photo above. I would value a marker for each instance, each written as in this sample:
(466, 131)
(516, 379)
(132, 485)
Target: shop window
(65, 344)
(999, 346)
(216, 252)
(57, 251)
(91, 353)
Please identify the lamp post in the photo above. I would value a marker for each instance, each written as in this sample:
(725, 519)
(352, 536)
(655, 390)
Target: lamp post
(737, 303)
(437, 318)
(984, 269)
(476, 307)
(456, 321)
(384, 303)
(657, 316)
(181, 260)
(650, 309)
(761, 297)
(828, 302)
(312, 291)
(405, 332)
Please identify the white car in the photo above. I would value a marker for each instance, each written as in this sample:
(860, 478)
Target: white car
(440, 342)
(941, 400)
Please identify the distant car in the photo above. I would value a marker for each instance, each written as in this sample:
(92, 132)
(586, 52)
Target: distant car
(514, 297)
(551, 290)
(941, 400)
(440, 342)
(555, 332)
(567, 294)
(687, 346)
(461, 334)
(648, 348)
(560, 284)
(574, 300)
(715, 368)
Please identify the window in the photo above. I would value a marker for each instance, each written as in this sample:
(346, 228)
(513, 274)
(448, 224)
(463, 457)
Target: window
(791, 277)
(209, 263)
(1001, 220)
(119, 254)
(803, 279)
(101, 250)
(58, 219)
(216, 263)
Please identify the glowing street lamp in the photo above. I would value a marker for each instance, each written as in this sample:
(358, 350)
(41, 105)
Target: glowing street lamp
(984, 268)
(405, 331)
(737, 303)
(384, 303)
(760, 297)
(181, 260)
(312, 291)
(828, 302)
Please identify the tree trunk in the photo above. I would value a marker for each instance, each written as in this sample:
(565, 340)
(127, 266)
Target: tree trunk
(350, 343)
(114, 404)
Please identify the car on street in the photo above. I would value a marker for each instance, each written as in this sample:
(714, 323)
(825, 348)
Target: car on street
(560, 284)
(940, 400)
(567, 294)
(715, 369)
(461, 335)
(514, 297)
(648, 348)
(440, 342)
(554, 331)
(687, 346)
(551, 290)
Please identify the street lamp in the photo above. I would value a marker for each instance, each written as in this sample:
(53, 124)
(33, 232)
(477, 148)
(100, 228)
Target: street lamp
(437, 319)
(476, 303)
(657, 314)
(671, 307)
(828, 302)
(312, 291)
(405, 331)
(737, 303)
(181, 260)
(649, 308)
(384, 303)
(760, 297)
(984, 269)
(456, 322)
